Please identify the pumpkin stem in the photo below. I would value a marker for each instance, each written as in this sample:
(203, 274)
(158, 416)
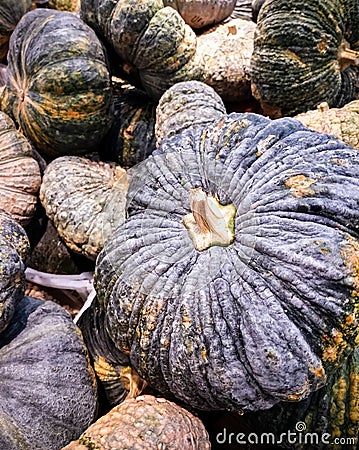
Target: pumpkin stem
(347, 57)
(209, 223)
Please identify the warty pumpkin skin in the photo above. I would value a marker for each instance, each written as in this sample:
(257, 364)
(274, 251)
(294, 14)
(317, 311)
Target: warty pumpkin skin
(58, 83)
(85, 199)
(200, 13)
(256, 302)
(20, 176)
(48, 391)
(14, 250)
(11, 12)
(305, 53)
(145, 422)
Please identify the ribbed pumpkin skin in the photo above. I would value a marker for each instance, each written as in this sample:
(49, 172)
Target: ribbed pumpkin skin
(200, 13)
(44, 365)
(20, 176)
(14, 249)
(59, 85)
(85, 200)
(264, 319)
(11, 12)
(295, 63)
(145, 422)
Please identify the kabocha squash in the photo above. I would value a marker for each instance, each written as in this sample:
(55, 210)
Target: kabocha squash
(341, 122)
(145, 422)
(48, 391)
(58, 82)
(186, 104)
(200, 13)
(305, 53)
(242, 10)
(14, 250)
(65, 5)
(11, 12)
(233, 282)
(20, 176)
(85, 199)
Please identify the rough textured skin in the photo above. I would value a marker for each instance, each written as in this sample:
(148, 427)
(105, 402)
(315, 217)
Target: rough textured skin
(14, 250)
(85, 199)
(145, 422)
(186, 104)
(200, 13)
(48, 391)
(20, 176)
(226, 70)
(65, 5)
(58, 84)
(341, 122)
(11, 12)
(334, 409)
(265, 319)
(297, 60)
(132, 136)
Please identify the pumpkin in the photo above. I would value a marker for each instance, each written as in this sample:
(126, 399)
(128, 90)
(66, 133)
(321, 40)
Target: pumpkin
(85, 199)
(14, 250)
(305, 53)
(186, 104)
(132, 135)
(65, 5)
(341, 122)
(44, 365)
(154, 48)
(58, 82)
(20, 176)
(11, 12)
(233, 282)
(242, 10)
(145, 422)
(200, 13)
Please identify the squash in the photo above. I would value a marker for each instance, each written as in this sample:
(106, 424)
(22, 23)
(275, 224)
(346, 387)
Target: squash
(305, 53)
(20, 176)
(186, 104)
(341, 122)
(14, 250)
(44, 365)
(85, 199)
(11, 12)
(145, 422)
(58, 85)
(242, 10)
(65, 5)
(232, 284)
(201, 13)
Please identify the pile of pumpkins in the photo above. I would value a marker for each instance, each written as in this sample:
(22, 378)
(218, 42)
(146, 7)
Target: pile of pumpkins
(200, 160)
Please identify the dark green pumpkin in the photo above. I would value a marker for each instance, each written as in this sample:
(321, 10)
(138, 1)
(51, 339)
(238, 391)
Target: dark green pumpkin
(48, 391)
(305, 53)
(11, 12)
(233, 282)
(14, 250)
(58, 83)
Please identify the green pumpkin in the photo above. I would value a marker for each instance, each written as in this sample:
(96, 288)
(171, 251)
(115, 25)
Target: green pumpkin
(305, 53)
(58, 83)
(14, 250)
(233, 282)
(11, 12)
(45, 367)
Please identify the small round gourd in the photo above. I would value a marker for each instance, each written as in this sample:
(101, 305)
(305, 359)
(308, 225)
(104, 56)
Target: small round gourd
(20, 176)
(85, 199)
(11, 12)
(200, 13)
(44, 364)
(14, 250)
(145, 422)
(233, 282)
(58, 83)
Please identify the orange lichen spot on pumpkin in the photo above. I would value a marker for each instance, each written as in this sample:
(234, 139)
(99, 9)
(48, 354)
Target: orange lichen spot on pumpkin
(300, 394)
(319, 372)
(323, 44)
(232, 30)
(330, 354)
(300, 186)
(292, 56)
